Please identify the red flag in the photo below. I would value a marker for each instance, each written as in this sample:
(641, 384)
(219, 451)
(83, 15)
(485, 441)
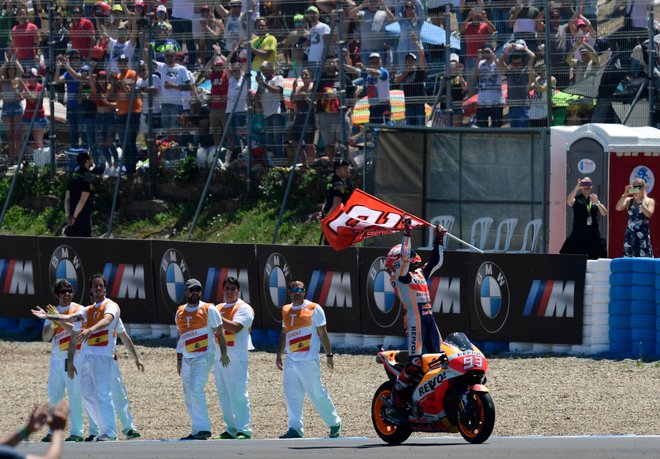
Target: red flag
(361, 217)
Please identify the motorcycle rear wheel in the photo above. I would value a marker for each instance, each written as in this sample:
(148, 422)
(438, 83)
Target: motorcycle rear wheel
(389, 433)
(477, 427)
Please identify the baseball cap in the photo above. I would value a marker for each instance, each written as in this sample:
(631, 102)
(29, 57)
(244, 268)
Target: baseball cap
(235, 2)
(374, 54)
(190, 283)
(85, 68)
(34, 71)
(117, 8)
(313, 9)
(453, 57)
(411, 55)
(521, 42)
(298, 18)
(487, 46)
(101, 73)
(161, 8)
(581, 22)
(341, 162)
(139, 3)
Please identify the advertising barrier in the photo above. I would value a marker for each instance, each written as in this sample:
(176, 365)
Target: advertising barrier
(494, 297)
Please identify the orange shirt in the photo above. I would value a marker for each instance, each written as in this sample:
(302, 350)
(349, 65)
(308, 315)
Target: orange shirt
(195, 328)
(123, 93)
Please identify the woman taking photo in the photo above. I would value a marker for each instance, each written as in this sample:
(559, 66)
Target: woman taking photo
(637, 239)
(587, 210)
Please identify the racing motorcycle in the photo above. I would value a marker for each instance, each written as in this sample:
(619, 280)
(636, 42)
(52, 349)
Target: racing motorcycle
(449, 395)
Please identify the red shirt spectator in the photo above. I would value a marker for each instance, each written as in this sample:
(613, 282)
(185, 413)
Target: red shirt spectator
(475, 37)
(219, 88)
(32, 104)
(25, 37)
(81, 32)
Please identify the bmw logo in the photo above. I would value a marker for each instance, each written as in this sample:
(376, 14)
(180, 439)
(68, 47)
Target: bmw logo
(66, 264)
(491, 295)
(173, 276)
(276, 278)
(383, 304)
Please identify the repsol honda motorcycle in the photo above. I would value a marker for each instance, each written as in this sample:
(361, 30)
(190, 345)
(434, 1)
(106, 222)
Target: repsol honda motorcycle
(449, 395)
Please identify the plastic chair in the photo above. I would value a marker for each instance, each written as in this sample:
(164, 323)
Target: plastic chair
(509, 224)
(445, 220)
(533, 227)
(482, 227)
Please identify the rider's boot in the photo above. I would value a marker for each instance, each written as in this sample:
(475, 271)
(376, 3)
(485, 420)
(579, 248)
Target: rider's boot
(409, 374)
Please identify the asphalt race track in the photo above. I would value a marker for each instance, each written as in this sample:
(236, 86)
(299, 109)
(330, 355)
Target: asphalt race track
(628, 447)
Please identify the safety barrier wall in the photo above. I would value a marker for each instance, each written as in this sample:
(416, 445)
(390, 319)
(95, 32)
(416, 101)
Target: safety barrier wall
(505, 302)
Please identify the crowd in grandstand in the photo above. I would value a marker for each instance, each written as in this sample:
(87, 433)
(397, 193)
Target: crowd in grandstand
(333, 58)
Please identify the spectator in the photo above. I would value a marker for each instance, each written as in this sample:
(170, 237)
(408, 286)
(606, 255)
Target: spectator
(301, 96)
(87, 108)
(189, 90)
(25, 39)
(81, 32)
(125, 44)
(490, 99)
(559, 45)
(583, 60)
(520, 61)
(640, 208)
(138, 20)
(215, 72)
(156, 90)
(12, 110)
(373, 16)
(295, 45)
(264, 46)
(60, 39)
(184, 12)
(128, 118)
(319, 36)
(34, 104)
(236, 96)
(270, 94)
(458, 87)
(175, 79)
(477, 30)
(585, 237)
(71, 79)
(339, 188)
(538, 87)
(234, 23)
(195, 124)
(377, 82)
(164, 42)
(42, 415)
(113, 22)
(410, 16)
(411, 80)
(78, 199)
(328, 106)
(523, 18)
(210, 30)
(106, 152)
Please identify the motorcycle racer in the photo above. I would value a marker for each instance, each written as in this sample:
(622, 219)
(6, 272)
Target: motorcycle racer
(410, 281)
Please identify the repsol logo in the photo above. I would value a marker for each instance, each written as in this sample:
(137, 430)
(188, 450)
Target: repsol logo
(431, 384)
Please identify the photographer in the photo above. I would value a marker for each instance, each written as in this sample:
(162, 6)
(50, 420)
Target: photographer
(490, 98)
(518, 60)
(637, 240)
(476, 31)
(585, 237)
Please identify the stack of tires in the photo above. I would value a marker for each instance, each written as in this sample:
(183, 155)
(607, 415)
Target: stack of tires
(642, 308)
(596, 307)
(619, 306)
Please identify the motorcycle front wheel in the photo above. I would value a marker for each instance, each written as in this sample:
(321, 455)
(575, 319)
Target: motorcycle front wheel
(389, 433)
(476, 421)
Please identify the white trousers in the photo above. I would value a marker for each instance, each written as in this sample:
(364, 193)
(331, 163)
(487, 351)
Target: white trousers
(96, 389)
(232, 384)
(58, 382)
(120, 402)
(304, 377)
(194, 376)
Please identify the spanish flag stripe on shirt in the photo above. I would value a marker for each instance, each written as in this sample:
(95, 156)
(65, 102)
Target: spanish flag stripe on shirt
(229, 337)
(64, 343)
(300, 344)
(198, 344)
(99, 338)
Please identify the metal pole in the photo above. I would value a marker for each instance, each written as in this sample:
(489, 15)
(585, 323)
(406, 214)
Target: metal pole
(548, 67)
(150, 106)
(317, 79)
(51, 71)
(448, 104)
(342, 85)
(250, 104)
(651, 66)
(215, 161)
(20, 157)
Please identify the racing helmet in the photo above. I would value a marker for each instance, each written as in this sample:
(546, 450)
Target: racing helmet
(394, 255)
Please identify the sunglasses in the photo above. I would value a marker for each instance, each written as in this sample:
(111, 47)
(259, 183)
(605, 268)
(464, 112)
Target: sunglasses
(299, 23)
(297, 289)
(65, 291)
(195, 289)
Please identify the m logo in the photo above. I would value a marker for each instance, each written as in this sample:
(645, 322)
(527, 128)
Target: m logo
(16, 277)
(446, 294)
(330, 288)
(125, 280)
(550, 298)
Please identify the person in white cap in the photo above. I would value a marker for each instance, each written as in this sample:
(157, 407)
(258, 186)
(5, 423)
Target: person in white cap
(377, 83)
(197, 323)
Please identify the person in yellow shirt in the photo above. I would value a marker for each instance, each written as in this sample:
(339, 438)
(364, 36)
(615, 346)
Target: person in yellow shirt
(303, 332)
(264, 46)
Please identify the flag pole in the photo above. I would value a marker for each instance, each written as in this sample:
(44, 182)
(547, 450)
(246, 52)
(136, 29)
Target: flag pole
(460, 240)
